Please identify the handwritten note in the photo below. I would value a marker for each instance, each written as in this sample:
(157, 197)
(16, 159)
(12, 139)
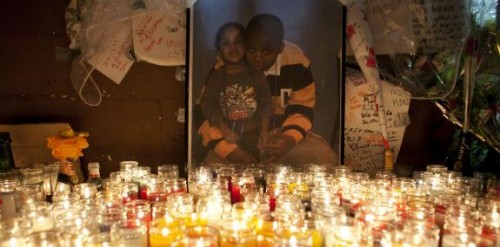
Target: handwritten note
(364, 149)
(403, 26)
(160, 36)
(110, 55)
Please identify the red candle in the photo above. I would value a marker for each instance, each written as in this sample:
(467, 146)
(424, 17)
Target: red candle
(143, 192)
(272, 203)
(489, 232)
(235, 194)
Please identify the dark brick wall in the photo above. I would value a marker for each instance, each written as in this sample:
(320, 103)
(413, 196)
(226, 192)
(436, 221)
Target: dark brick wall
(137, 120)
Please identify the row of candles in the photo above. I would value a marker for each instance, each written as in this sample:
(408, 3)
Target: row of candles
(221, 205)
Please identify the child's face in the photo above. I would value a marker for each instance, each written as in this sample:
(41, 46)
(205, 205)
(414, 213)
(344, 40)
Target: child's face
(232, 46)
(262, 51)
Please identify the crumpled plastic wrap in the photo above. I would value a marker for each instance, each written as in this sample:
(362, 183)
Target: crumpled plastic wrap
(485, 103)
(101, 31)
(419, 43)
(420, 46)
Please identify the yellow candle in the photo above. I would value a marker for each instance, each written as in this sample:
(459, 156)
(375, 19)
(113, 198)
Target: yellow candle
(266, 227)
(317, 238)
(194, 219)
(232, 231)
(164, 232)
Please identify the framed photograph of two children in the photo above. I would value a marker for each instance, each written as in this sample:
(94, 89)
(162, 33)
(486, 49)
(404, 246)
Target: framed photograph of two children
(314, 26)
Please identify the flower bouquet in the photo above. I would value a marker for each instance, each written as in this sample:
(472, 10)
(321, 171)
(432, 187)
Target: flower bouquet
(67, 147)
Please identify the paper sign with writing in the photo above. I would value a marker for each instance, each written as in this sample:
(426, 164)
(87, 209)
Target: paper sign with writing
(111, 55)
(402, 26)
(363, 146)
(160, 36)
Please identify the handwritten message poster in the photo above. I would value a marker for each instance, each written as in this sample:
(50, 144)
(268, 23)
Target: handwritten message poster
(402, 26)
(160, 36)
(363, 146)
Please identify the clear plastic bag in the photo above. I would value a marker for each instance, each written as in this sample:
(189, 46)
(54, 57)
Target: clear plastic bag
(419, 43)
(484, 113)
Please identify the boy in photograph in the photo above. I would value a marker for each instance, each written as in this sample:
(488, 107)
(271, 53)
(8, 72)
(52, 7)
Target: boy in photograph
(293, 90)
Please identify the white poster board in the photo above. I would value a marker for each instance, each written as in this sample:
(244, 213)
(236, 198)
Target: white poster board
(160, 36)
(363, 146)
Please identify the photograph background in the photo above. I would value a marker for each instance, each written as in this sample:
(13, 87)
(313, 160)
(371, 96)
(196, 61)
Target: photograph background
(315, 26)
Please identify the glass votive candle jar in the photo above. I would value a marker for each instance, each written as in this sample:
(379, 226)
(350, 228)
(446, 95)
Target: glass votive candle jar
(29, 193)
(241, 185)
(98, 239)
(289, 235)
(164, 231)
(412, 233)
(9, 205)
(232, 231)
(43, 239)
(466, 240)
(224, 175)
(346, 233)
(486, 181)
(50, 173)
(116, 176)
(127, 191)
(341, 171)
(129, 233)
(299, 184)
(309, 223)
(399, 189)
(202, 236)
(327, 218)
(417, 194)
(86, 191)
(358, 177)
(489, 226)
(460, 219)
(168, 171)
(384, 175)
(107, 216)
(75, 232)
(420, 211)
(40, 215)
(289, 209)
(451, 177)
(13, 231)
(257, 241)
(376, 212)
(180, 204)
(126, 168)
(217, 204)
(467, 184)
(372, 234)
(442, 202)
(324, 198)
(147, 183)
(32, 176)
(159, 192)
(246, 212)
(137, 210)
(322, 179)
(266, 225)
(139, 172)
(317, 168)
(259, 177)
(436, 169)
(160, 209)
(282, 170)
(178, 185)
